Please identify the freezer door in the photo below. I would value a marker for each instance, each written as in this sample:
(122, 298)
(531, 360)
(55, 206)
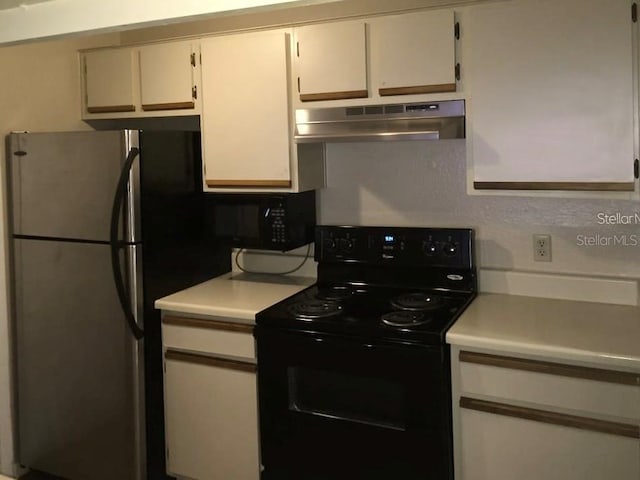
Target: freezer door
(62, 184)
(79, 370)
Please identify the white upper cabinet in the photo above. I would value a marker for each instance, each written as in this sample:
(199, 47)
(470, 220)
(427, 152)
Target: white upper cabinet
(331, 61)
(413, 53)
(550, 94)
(151, 80)
(167, 76)
(109, 81)
(245, 119)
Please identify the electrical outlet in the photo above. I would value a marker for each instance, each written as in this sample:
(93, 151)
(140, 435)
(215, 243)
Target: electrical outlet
(542, 248)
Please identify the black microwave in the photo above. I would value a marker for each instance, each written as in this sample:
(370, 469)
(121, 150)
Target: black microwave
(264, 221)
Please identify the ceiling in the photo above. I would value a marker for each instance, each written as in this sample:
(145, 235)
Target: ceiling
(30, 20)
(7, 4)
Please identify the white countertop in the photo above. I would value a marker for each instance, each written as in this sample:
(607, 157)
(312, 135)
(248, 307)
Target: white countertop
(233, 295)
(564, 329)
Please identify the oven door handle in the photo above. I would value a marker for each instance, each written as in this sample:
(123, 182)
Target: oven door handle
(368, 344)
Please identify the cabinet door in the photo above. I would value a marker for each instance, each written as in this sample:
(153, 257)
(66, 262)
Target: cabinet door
(551, 94)
(211, 418)
(245, 111)
(331, 60)
(415, 53)
(166, 76)
(498, 447)
(109, 81)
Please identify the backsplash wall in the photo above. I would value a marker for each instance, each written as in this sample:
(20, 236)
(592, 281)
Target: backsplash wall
(424, 184)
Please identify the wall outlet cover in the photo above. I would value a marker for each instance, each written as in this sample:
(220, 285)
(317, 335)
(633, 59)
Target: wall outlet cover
(542, 247)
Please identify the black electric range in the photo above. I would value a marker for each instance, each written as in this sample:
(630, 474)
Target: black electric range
(406, 284)
(354, 372)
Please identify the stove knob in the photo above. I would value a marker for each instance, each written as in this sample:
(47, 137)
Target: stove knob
(330, 244)
(346, 245)
(430, 248)
(450, 249)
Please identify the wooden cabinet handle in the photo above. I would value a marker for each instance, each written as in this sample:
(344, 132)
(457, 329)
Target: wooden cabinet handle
(111, 109)
(211, 361)
(418, 89)
(208, 324)
(152, 107)
(213, 183)
(572, 186)
(553, 418)
(587, 373)
(315, 97)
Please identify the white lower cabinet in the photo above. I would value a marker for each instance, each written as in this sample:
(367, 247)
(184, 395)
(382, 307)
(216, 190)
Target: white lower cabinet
(211, 411)
(537, 418)
(499, 447)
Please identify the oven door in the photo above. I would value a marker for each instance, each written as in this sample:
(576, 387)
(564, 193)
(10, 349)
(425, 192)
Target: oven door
(335, 407)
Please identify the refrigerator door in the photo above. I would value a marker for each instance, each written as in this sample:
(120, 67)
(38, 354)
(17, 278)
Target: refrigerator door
(62, 184)
(78, 367)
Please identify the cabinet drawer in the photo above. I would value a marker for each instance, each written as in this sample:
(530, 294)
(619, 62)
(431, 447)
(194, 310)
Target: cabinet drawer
(221, 337)
(211, 417)
(589, 390)
(498, 447)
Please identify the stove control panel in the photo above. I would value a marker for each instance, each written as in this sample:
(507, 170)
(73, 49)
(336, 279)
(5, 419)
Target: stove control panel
(402, 246)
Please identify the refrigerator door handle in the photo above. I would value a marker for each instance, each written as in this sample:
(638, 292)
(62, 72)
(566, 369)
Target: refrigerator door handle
(117, 245)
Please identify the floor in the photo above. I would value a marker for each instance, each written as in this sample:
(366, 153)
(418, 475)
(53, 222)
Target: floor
(33, 475)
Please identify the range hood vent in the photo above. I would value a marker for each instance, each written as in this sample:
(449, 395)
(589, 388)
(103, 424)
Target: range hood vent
(403, 121)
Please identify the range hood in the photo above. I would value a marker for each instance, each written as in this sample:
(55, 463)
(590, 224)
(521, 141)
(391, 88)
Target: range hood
(401, 121)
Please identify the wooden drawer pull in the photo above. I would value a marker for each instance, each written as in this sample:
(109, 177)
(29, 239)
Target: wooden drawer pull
(587, 373)
(208, 324)
(553, 418)
(210, 361)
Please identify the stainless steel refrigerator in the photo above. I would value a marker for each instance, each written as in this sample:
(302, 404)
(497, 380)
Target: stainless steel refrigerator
(102, 224)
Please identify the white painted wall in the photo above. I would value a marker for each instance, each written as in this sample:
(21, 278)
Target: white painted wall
(39, 90)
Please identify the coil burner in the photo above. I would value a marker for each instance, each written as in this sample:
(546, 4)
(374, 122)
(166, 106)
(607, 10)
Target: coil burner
(335, 293)
(416, 302)
(404, 318)
(312, 309)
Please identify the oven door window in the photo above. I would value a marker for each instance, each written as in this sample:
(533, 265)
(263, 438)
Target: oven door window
(354, 398)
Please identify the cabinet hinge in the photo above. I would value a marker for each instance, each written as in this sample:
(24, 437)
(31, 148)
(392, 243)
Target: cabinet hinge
(194, 92)
(193, 59)
(200, 58)
(636, 168)
(456, 30)
(457, 72)
(634, 12)
(297, 49)
(298, 84)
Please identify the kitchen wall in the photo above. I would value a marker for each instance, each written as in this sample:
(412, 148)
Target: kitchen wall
(39, 90)
(424, 184)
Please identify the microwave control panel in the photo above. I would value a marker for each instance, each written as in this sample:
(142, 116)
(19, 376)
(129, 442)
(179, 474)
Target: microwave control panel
(278, 225)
